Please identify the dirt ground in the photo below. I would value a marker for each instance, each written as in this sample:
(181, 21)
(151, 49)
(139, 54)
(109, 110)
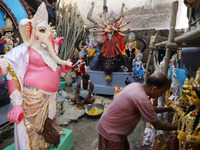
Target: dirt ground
(85, 135)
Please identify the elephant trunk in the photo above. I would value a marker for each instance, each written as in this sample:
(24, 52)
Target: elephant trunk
(51, 46)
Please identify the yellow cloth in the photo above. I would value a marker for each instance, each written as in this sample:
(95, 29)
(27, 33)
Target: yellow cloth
(90, 53)
(133, 46)
(35, 106)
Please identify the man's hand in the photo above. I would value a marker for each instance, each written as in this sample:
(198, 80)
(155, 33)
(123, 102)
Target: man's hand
(82, 102)
(77, 101)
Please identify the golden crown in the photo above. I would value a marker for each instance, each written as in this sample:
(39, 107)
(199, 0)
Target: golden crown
(8, 27)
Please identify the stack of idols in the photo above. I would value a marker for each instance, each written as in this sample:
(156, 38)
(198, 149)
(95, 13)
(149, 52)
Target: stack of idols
(188, 132)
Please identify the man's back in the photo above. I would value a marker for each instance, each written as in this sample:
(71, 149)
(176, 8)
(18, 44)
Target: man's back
(123, 114)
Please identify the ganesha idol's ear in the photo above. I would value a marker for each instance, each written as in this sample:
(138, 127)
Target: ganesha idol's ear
(25, 29)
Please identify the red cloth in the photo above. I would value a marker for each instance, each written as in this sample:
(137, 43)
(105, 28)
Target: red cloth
(123, 114)
(114, 47)
(120, 40)
(80, 68)
(110, 48)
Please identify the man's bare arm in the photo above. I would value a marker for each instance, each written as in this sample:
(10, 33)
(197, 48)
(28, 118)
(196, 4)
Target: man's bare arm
(163, 109)
(77, 90)
(164, 126)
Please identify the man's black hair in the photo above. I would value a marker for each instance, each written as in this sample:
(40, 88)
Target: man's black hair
(86, 76)
(159, 82)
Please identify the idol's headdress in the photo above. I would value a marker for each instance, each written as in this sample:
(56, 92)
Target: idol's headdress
(8, 27)
(111, 14)
(197, 90)
(131, 35)
(139, 54)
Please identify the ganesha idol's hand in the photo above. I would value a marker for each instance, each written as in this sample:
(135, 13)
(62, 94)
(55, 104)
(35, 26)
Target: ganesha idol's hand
(66, 68)
(59, 40)
(16, 114)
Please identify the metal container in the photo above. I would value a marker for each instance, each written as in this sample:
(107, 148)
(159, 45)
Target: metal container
(97, 106)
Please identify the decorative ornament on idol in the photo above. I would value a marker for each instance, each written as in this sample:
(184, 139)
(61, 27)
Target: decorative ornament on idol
(91, 49)
(149, 135)
(130, 47)
(111, 14)
(139, 56)
(160, 142)
(131, 37)
(175, 83)
(91, 37)
(187, 87)
(8, 27)
(185, 91)
(197, 78)
(158, 67)
(192, 3)
(138, 69)
(80, 65)
(7, 40)
(53, 30)
(189, 125)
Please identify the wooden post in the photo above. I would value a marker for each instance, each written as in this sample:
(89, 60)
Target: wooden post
(188, 36)
(104, 10)
(170, 40)
(171, 36)
(150, 55)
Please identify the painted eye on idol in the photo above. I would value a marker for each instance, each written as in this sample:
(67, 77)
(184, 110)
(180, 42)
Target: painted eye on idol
(42, 30)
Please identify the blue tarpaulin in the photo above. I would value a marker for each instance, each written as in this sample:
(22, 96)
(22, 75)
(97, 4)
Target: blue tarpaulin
(181, 74)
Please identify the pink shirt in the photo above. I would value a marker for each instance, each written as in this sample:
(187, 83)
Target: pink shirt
(124, 113)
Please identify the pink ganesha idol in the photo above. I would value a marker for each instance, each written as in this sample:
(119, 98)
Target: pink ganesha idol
(33, 80)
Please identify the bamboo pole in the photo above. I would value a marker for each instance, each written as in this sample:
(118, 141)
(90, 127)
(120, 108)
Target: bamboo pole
(170, 39)
(104, 9)
(171, 36)
(150, 55)
(188, 36)
(176, 45)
